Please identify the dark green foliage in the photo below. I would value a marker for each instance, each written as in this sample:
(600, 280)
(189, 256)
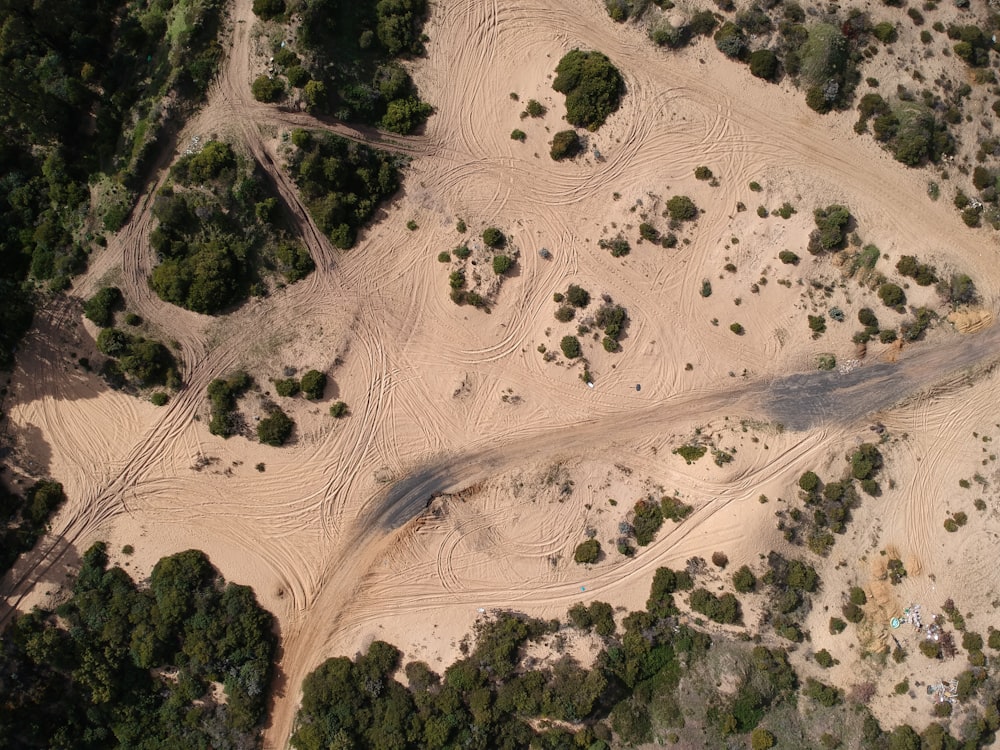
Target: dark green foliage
(731, 41)
(502, 264)
(144, 361)
(824, 659)
(885, 32)
(565, 145)
(599, 616)
(853, 613)
(534, 108)
(891, 295)
(724, 609)
(649, 232)
(24, 520)
(744, 581)
(647, 521)
(217, 227)
(837, 626)
(691, 453)
(681, 208)
(493, 237)
(817, 324)
(570, 346)
(764, 64)
(824, 67)
(702, 173)
(577, 296)
(795, 574)
(159, 398)
(102, 306)
(823, 694)
(866, 461)
(737, 328)
(518, 135)
(223, 393)
(268, 9)
(922, 273)
(959, 289)
(125, 666)
(592, 85)
(612, 318)
(338, 410)
(313, 384)
(275, 428)
(287, 387)
(587, 552)
(867, 318)
(462, 252)
(343, 183)
(267, 89)
(831, 228)
(809, 481)
(675, 509)
(617, 246)
(353, 52)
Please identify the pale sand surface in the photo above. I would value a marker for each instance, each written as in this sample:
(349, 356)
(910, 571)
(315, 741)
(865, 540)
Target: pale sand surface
(425, 379)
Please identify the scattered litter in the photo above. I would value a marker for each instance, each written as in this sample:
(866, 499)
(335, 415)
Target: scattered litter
(638, 386)
(894, 623)
(583, 588)
(589, 384)
(481, 610)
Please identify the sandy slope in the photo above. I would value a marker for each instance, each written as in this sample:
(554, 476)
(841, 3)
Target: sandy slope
(425, 379)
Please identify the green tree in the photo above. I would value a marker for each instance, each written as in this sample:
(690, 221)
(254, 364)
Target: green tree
(313, 384)
(275, 429)
(592, 85)
(570, 346)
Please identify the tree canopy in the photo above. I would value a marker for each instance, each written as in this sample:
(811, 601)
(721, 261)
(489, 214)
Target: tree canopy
(592, 85)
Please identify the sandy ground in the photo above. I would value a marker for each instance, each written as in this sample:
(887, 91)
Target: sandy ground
(463, 400)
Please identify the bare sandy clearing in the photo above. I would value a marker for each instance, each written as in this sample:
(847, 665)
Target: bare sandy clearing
(425, 379)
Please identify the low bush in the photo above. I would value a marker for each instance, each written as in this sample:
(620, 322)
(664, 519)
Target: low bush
(592, 85)
(493, 237)
(287, 387)
(674, 509)
(617, 246)
(831, 228)
(647, 521)
(338, 410)
(763, 64)
(313, 384)
(102, 306)
(691, 453)
(518, 135)
(723, 609)
(275, 429)
(577, 296)
(744, 581)
(570, 347)
(267, 89)
(587, 552)
(892, 295)
(565, 145)
(502, 264)
(681, 208)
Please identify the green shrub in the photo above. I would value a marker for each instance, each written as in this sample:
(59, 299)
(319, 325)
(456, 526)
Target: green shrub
(518, 135)
(534, 108)
(867, 317)
(691, 453)
(674, 509)
(565, 313)
(891, 295)
(617, 246)
(744, 581)
(570, 346)
(823, 694)
(502, 264)
(706, 288)
(444, 257)
(761, 739)
(493, 237)
(275, 429)
(313, 384)
(824, 659)
(737, 329)
(587, 552)
(837, 626)
(702, 173)
(577, 296)
(885, 32)
(338, 410)
(267, 89)
(102, 306)
(159, 398)
(565, 145)
(681, 208)
(268, 9)
(287, 387)
(831, 228)
(649, 232)
(462, 252)
(723, 609)
(817, 324)
(731, 41)
(764, 64)
(592, 85)
(809, 481)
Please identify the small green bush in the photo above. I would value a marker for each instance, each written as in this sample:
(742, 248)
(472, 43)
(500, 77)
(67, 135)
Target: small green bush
(891, 295)
(493, 237)
(462, 252)
(502, 264)
(592, 85)
(275, 429)
(267, 89)
(737, 329)
(885, 32)
(102, 306)
(702, 173)
(577, 296)
(287, 387)
(444, 257)
(824, 659)
(763, 64)
(691, 453)
(313, 384)
(570, 346)
(675, 510)
(338, 410)
(565, 145)
(681, 208)
(744, 581)
(159, 398)
(837, 626)
(518, 135)
(534, 108)
(587, 552)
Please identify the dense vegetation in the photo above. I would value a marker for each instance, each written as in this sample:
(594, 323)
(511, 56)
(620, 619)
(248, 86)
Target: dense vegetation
(343, 183)
(130, 666)
(223, 394)
(136, 360)
(349, 64)
(81, 108)
(219, 228)
(592, 85)
(24, 519)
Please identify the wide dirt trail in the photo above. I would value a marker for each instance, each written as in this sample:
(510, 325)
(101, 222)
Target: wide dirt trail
(316, 522)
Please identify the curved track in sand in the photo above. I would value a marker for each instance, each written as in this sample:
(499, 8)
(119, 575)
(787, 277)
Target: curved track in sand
(327, 534)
